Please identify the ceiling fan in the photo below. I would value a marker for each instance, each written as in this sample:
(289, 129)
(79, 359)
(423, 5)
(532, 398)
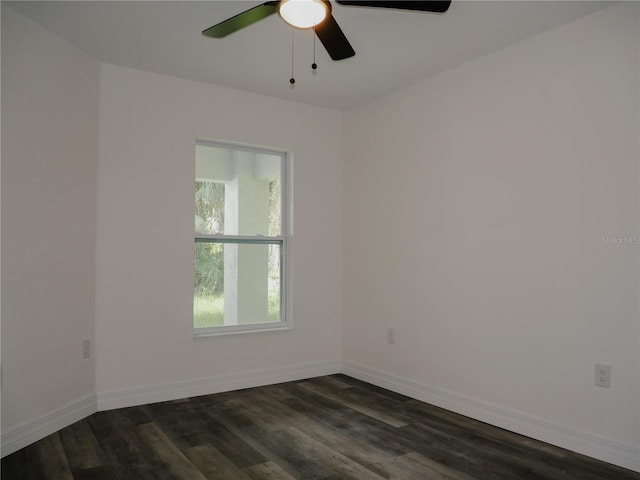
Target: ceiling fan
(316, 14)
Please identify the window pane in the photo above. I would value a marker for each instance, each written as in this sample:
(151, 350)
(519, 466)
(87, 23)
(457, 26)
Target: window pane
(236, 284)
(209, 207)
(238, 192)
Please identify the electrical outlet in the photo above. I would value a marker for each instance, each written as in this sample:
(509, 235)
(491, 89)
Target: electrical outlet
(603, 375)
(86, 348)
(391, 335)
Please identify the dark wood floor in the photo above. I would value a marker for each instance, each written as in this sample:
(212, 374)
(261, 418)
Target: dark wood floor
(325, 428)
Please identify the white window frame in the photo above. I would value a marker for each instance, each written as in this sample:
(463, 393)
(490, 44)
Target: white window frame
(283, 240)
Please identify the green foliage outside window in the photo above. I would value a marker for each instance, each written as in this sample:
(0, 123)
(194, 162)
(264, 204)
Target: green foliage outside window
(209, 257)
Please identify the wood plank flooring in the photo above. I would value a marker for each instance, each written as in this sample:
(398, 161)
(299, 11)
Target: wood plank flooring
(326, 428)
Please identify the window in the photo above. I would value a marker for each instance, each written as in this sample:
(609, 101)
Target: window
(240, 239)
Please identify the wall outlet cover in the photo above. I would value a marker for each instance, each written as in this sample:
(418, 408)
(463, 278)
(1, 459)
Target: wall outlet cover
(603, 375)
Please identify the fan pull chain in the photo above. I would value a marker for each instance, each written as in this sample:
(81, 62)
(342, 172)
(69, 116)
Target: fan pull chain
(314, 65)
(292, 80)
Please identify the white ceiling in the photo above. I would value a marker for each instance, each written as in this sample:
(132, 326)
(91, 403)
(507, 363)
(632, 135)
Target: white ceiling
(393, 48)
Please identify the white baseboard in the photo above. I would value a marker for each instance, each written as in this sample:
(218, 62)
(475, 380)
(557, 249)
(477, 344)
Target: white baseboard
(141, 395)
(26, 433)
(617, 453)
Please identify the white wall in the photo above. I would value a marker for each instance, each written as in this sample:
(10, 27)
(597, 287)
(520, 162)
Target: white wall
(49, 164)
(148, 127)
(475, 207)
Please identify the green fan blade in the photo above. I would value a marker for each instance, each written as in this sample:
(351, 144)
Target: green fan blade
(241, 20)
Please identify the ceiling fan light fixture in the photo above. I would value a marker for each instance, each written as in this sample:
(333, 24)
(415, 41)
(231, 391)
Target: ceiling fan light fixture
(303, 13)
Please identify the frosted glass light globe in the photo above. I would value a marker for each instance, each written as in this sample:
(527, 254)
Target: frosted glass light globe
(303, 13)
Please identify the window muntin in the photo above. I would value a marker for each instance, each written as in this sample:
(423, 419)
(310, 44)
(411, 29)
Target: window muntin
(240, 241)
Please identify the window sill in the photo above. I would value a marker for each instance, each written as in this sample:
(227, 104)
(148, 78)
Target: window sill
(233, 330)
